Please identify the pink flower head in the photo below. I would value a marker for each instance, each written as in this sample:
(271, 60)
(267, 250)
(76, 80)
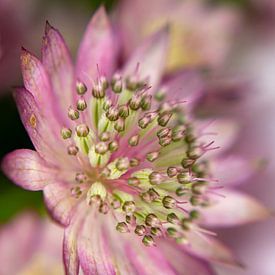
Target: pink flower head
(123, 164)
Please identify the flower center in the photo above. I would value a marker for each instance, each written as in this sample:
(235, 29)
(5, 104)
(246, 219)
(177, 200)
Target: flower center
(140, 158)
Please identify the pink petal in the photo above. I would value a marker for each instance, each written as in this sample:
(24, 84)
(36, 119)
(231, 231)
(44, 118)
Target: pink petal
(71, 235)
(18, 243)
(27, 169)
(232, 169)
(36, 81)
(58, 64)
(93, 249)
(190, 264)
(60, 203)
(150, 58)
(235, 209)
(185, 85)
(43, 131)
(210, 249)
(96, 49)
(222, 131)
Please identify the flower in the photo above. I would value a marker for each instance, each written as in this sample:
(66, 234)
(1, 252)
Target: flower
(30, 245)
(201, 35)
(123, 163)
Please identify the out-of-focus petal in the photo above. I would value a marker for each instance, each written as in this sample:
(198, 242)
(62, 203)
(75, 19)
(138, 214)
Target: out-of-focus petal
(231, 169)
(210, 249)
(190, 264)
(234, 209)
(18, 238)
(60, 202)
(150, 58)
(27, 169)
(97, 50)
(186, 85)
(222, 131)
(58, 64)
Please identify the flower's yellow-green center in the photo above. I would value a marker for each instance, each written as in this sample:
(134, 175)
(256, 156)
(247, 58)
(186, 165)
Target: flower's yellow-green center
(139, 157)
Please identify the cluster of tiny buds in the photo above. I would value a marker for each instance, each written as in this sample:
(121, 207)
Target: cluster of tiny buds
(170, 126)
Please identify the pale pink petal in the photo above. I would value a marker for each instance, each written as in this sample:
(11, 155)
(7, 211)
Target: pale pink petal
(71, 235)
(58, 64)
(222, 131)
(60, 202)
(93, 248)
(36, 81)
(97, 49)
(234, 209)
(27, 169)
(18, 243)
(210, 249)
(150, 58)
(45, 137)
(189, 264)
(232, 169)
(186, 85)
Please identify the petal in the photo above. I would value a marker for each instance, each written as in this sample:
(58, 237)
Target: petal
(222, 131)
(36, 81)
(186, 85)
(27, 169)
(189, 263)
(60, 203)
(97, 49)
(57, 61)
(223, 167)
(19, 237)
(42, 130)
(150, 58)
(93, 248)
(234, 209)
(71, 234)
(210, 249)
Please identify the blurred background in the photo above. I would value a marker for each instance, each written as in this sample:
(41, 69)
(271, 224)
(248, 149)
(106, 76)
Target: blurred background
(231, 41)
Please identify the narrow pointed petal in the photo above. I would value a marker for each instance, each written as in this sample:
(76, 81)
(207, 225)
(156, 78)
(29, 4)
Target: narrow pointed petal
(210, 249)
(235, 209)
(60, 203)
(57, 61)
(36, 81)
(150, 58)
(42, 130)
(223, 167)
(70, 256)
(97, 49)
(93, 249)
(27, 169)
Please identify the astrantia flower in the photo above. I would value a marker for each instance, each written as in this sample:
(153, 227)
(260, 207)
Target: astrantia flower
(121, 160)
(30, 245)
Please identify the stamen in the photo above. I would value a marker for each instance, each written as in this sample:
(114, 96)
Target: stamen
(81, 104)
(73, 114)
(133, 141)
(72, 150)
(122, 227)
(66, 133)
(82, 130)
(148, 241)
(81, 88)
(140, 230)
